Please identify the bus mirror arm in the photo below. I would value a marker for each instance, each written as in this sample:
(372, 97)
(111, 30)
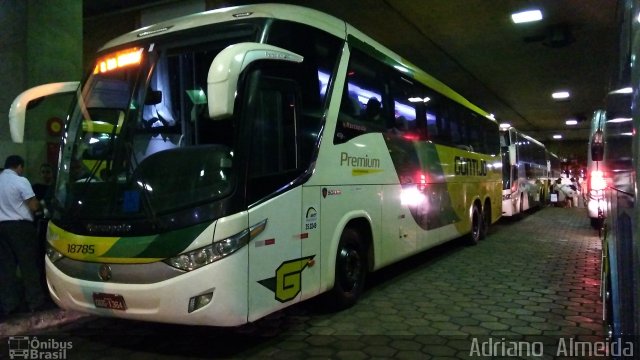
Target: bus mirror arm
(18, 109)
(597, 146)
(224, 72)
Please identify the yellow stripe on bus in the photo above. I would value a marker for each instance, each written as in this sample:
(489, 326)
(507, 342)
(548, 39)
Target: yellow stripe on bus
(360, 172)
(87, 248)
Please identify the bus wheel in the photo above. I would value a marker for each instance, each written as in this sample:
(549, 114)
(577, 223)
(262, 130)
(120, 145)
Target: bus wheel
(486, 221)
(351, 268)
(476, 226)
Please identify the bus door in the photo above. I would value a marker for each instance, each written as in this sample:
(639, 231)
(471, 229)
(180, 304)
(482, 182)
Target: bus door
(275, 261)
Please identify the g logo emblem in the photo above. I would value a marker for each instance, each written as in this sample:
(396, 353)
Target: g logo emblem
(288, 280)
(105, 272)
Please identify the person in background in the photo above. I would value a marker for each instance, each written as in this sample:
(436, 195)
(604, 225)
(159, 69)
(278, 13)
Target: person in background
(18, 241)
(44, 193)
(575, 187)
(399, 127)
(43, 189)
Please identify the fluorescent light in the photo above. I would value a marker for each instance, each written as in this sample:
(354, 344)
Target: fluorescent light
(626, 90)
(526, 16)
(505, 126)
(557, 136)
(560, 95)
(619, 120)
(571, 122)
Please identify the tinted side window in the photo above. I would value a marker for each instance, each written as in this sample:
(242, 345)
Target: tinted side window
(362, 107)
(320, 51)
(272, 105)
(409, 100)
(449, 123)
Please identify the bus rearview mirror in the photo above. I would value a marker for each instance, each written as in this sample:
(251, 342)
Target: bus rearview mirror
(153, 97)
(18, 109)
(224, 72)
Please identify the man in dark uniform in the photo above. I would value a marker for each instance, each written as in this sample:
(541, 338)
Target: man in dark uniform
(18, 241)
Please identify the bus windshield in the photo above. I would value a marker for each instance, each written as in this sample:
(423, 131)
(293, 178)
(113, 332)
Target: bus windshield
(139, 143)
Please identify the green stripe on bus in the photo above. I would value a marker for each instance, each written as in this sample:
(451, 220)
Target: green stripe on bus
(156, 246)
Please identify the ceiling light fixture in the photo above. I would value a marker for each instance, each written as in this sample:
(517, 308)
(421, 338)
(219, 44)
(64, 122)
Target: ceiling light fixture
(559, 95)
(505, 126)
(557, 136)
(571, 122)
(526, 16)
(625, 90)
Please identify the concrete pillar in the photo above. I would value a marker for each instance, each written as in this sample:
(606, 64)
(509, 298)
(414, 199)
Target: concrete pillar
(13, 54)
(41, 43)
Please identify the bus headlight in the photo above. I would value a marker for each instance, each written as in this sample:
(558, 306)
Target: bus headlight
(206, 255)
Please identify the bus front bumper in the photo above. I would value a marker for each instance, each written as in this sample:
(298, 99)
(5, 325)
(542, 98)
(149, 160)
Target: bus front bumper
(220, 286)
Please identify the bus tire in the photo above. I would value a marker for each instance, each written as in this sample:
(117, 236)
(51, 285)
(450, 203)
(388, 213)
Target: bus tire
(486, 220)
(350, 271)
(476, 226)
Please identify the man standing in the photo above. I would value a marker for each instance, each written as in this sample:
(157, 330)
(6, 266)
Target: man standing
(18, 240)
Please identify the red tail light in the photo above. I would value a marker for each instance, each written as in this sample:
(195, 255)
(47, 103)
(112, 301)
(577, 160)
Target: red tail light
(421, 180)
(411, 137)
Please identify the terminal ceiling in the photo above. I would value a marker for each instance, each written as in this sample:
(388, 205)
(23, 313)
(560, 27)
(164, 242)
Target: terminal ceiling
(507, 69)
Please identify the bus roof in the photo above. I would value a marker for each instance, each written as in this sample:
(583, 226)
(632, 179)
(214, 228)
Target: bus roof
(295, 13)
(315, 18)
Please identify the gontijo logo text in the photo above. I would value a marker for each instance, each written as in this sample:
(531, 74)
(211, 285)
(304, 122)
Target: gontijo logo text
(468, 166)
(28, 347)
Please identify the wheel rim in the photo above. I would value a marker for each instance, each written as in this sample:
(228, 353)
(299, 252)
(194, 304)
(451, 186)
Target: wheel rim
(475, 226)
(351, 268)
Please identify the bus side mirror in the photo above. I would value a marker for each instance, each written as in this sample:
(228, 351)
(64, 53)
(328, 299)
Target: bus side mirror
(224, 72)
(597, 146)
(153, 97)
(18, 109)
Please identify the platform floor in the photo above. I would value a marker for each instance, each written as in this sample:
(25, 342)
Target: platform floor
(534, 281)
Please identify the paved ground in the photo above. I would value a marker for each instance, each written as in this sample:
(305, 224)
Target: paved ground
(532, 285)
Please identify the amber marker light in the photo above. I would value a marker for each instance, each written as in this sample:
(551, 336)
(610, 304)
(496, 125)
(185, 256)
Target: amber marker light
(118, 59)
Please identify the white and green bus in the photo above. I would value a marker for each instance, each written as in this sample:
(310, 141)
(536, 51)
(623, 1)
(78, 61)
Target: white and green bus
(254, 157)
(526, 172)
(616, 149)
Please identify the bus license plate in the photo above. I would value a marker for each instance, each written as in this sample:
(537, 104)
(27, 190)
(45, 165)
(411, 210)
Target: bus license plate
(109, 301)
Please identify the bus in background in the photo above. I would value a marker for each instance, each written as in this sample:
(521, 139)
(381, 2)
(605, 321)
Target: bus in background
(267, 154)
(620, 247)
(525, 172)
(621, 231)
(596, 184)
